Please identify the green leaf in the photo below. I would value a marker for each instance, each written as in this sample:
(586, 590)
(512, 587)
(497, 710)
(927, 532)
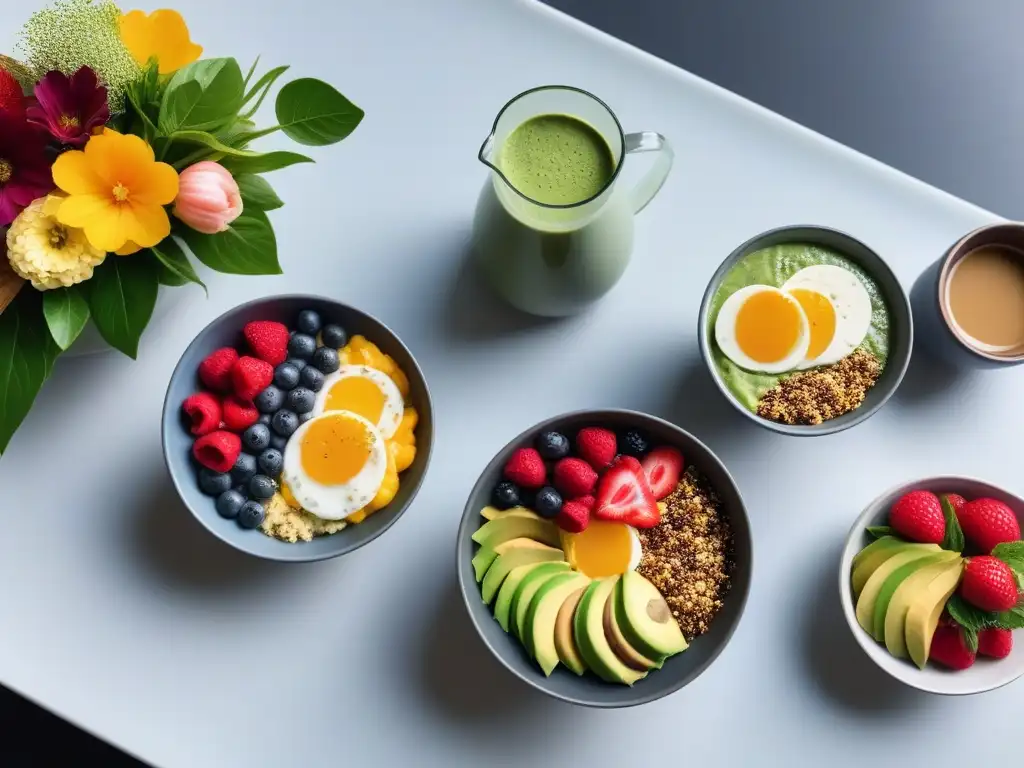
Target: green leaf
(269, 161)
(970, 639)
(257, 192)
(201, 95)
(312, 112)
(173, 259)
(66, 312)
(247, 247)
(27, 353)
(1009, 550)
(954, 539)
(235, 134)
(166, 277)
(1011, 619)
(262, 87)
(210, 142)
(122, 294)
(966, 615)
(250, 73)
(878, 531)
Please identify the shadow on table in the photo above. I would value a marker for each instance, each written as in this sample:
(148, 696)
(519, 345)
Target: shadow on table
(928, 379)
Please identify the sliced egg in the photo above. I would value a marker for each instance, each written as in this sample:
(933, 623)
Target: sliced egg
(761, 328)
(838, 310)
(603, 549)
(365, 391)
(334, 464)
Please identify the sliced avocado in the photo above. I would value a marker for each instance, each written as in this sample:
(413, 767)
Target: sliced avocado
(527, 588)
(906, 595)
(565, 643)
(485, 556)
(646, 620)
(923, 616)
(493, 513)
(627, 654)
(873, 586)
(892, 583)
(514, 557)
(493, 533)
(543, 613)
(588, 631)
(503, 603)
(876, 553)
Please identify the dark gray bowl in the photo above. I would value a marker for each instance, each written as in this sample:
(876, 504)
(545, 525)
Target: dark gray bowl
(902, 323)
(679, 670)
(226, 330)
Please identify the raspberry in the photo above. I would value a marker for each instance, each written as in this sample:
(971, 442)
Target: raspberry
(215, 370)
(250, 376)
(586, 501)
(238, 415)
(574, 477)
(596, 446)
(268, 340)
(573, 517)
(526, 469)
(217, 450)
(204, 411)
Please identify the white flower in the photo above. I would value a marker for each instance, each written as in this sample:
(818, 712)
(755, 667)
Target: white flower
(46, 252)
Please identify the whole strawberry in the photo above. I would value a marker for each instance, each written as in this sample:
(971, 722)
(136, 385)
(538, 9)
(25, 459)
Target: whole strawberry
(949, 649)
(987, 522)
(956, 500)
(995, 642)
(988, 583)
(917, 516)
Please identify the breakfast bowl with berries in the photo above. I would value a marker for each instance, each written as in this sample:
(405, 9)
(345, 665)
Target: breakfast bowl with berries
(605, 557)
(297, 428)
(932, 584)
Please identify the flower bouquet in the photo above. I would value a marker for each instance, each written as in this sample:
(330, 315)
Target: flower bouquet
(123, 155)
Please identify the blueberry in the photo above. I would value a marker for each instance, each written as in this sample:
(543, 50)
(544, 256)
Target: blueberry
(301, 400)
(326, 359)
(269, 400)
(304, 417)
(278, 442)
(311, 378)
(308, 322)
(548, 502)
(635, 444)
(265, 418)
(271, 462)
(261, 487)
(229, 502)
(505, 495)
(334, 336)
(213, 483)
(301, 345)
(284, 423)
(553, 445)
(251, 515)
(298, 363)
(256, 437)
(245, 467)
(286, 375)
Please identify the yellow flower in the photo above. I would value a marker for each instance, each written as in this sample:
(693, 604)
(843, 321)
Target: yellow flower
(46, 252)
(161, 35)
(116, 192)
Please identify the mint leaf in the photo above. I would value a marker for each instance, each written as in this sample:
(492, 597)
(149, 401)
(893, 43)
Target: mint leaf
(66, 312)
(970, 639)
(1011, 619)
(954, 540)
(878, 531)
(122, 293)
(1009, 550)
(969, 617)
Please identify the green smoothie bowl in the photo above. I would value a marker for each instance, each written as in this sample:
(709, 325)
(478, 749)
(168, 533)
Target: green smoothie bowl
(805, 330)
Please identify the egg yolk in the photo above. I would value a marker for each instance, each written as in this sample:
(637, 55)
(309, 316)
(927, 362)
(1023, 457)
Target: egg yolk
(767, 326)
(821, 317)
(357, 394)
(335, 447)
(603, 549)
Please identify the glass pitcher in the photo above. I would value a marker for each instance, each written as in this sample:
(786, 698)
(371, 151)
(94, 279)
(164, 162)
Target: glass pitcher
(556, 259)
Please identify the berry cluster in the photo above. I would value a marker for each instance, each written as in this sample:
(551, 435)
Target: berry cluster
(598, 474)
(251, 404)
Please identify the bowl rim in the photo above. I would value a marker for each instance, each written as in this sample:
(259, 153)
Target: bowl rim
(830, 427)
(300, 557)
(869, 647)
(469, 511)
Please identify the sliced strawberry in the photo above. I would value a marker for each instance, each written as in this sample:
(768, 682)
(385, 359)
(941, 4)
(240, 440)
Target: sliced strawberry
(663, 467)
(624, 497)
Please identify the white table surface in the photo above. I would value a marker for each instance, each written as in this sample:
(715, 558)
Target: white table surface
(122, 615)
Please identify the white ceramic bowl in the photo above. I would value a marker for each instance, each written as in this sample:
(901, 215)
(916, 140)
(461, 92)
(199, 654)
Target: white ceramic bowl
(986, 674)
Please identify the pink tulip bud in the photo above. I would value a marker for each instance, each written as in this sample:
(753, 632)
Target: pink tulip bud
(208, 198)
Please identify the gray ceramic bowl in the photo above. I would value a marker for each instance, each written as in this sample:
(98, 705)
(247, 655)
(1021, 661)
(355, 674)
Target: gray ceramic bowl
(986, 674)
(679, 670)
(902, 324)
(226, 330)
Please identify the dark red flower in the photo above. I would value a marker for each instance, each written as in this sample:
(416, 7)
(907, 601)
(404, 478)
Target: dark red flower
(24, 166)
(69, 107)
(11, 97)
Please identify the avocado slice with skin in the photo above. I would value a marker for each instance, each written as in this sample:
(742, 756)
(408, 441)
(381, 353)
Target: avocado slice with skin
(565, 641)
(514, 557)
(873, 586)
(874, 554)
(588, 631)
(543, 613)
(893, 582)
(509, 587)
(923, 616)
(646, 620)
(627, 654)
(906, 595)
(495, 532)
(527, 588)
(493, 513)
(485, 556)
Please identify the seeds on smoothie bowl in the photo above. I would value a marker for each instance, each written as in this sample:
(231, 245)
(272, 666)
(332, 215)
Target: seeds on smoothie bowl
(801, 333)
(305, 433)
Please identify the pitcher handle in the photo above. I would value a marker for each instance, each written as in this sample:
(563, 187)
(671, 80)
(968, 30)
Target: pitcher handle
(652, 181)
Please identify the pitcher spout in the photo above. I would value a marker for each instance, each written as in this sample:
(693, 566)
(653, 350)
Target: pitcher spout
(486, 154)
